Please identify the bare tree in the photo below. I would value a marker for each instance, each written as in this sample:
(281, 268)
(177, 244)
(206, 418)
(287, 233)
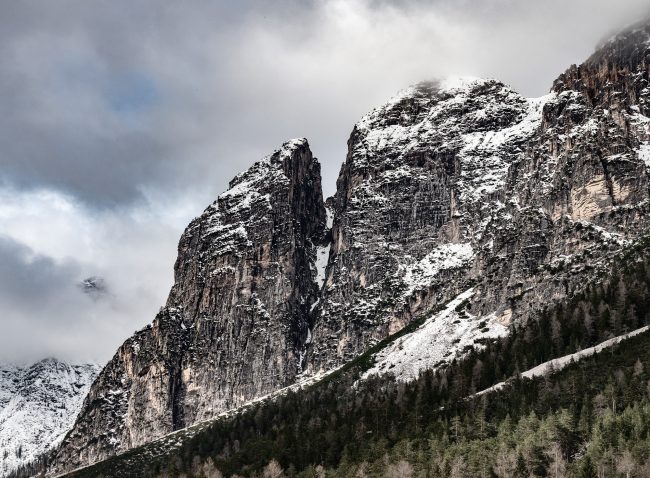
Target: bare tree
(557, 463)
(638, 368)
(401, 469)
(505, 465)
(273, 470)
(209, 469)
(625, 464)
(458, 468)
(361, 471)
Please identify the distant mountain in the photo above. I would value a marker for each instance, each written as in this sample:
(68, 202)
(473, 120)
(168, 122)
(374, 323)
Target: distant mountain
(38, 406)
(463, 213)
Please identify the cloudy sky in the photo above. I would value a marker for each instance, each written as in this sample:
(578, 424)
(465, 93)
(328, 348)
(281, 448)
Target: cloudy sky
(121, 120)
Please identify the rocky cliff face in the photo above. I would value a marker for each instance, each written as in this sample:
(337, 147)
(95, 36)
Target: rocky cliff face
(423, 177)
(38, 405)
(582, 190)
(460, 201)
(467, 190)
(236, 318)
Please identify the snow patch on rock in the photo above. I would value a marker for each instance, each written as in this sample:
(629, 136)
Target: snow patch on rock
(484, 165)
(444, 257)
(322, 256)
(446, 335)
(644, 153)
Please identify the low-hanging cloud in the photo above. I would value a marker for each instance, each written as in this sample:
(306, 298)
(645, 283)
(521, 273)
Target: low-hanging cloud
(33, 289)
(76, 281)
(25, 275)
(121, 120)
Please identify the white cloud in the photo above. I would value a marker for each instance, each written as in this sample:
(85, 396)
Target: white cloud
(133, 250)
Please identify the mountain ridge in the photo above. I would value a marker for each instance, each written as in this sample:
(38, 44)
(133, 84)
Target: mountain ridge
(447, 187)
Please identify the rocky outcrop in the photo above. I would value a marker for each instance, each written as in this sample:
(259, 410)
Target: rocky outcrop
(235, 321)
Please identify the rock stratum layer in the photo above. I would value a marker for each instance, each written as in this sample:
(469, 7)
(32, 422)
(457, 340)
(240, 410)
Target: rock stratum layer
(459, 201)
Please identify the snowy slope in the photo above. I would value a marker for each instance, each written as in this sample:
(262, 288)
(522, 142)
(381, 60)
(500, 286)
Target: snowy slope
(10, 376)
(447, 334)
(323, 252)
(38, 405)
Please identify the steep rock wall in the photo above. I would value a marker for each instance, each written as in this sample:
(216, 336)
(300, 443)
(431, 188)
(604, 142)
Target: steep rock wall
(235, 321)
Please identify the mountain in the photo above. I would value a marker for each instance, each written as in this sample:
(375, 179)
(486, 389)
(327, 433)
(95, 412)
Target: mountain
(38, 406)
(416, 203)
(465, 185)
(236, 320)
(463, 211)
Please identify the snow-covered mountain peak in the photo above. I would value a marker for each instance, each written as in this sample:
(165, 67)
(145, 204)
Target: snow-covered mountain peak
(269, 163)
(267, 169)
(435, 115)
(416, 102)
(228, 219)
(38, 405)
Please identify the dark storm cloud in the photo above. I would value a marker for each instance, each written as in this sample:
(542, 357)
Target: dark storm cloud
(103, 100)
(30, 280)
(121, 120)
